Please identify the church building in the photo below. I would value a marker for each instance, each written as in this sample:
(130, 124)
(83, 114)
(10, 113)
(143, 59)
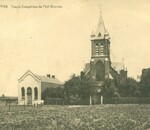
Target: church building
(31, 86)
(100, 66)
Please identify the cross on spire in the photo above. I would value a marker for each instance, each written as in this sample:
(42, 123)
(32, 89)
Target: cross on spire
(100, 5)
(100, 32)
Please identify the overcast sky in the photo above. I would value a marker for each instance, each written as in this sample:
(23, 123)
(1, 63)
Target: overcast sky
(57, 41)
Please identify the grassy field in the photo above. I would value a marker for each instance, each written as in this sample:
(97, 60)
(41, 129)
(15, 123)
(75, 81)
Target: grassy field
(106, 117)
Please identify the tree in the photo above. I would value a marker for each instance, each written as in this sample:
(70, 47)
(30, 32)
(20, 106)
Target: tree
(79, 87)
(52, 93)
(129, 88)
(110, 89)
(86, 87)
(71, 87)
(145, 82)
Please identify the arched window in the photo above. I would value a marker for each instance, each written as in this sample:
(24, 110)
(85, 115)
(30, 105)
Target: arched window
(100, 71)
(29, 96)
(22, 93)
(35, 93)
(29, 91)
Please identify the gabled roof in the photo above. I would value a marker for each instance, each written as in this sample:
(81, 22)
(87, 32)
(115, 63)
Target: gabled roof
(110, 76)
(118, 66)
(86, 68)
(40, 78)
(28, 73)
(48, 79)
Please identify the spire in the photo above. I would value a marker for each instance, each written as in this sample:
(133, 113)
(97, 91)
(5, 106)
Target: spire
(100, 31)
(100, 7)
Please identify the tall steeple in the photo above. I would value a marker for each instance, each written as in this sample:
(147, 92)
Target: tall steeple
(100, 40)
(100, 32)
(100, 29)
(100, 51)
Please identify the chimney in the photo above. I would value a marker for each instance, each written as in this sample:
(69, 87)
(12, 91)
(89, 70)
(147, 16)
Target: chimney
(48, 75)
(53, 76)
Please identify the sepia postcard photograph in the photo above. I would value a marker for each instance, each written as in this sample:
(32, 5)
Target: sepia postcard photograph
(74, 65)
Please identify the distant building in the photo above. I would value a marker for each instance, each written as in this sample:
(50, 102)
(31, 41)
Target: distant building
(31, 86)
(6, 100)
(100, 66)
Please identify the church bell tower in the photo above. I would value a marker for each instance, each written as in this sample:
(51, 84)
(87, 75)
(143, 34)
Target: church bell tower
(100, 52)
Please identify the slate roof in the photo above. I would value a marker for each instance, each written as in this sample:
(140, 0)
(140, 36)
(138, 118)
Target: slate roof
(48, 80)
(41, 78)
(115, 65)
(118, 66)
(86, 68)
(100, 30)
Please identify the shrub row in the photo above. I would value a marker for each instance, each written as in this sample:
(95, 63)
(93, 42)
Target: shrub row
(127, 100)
(79, 101)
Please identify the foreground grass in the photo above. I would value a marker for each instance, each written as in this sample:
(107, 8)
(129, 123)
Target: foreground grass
(106, 117)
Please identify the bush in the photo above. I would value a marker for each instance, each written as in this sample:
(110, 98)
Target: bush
(127, 100)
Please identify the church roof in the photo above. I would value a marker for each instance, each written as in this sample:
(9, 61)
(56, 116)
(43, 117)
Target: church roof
(117, 66)
(48, 79)
(86, 68)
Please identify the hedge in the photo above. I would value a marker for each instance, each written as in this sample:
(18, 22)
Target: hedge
(79, 101)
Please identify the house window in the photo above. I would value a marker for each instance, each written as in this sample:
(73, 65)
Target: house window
(35, 93)
(22, 93)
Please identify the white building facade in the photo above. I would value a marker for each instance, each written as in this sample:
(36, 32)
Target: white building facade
(31, 86)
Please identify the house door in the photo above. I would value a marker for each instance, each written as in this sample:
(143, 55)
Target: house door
(29, 96)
